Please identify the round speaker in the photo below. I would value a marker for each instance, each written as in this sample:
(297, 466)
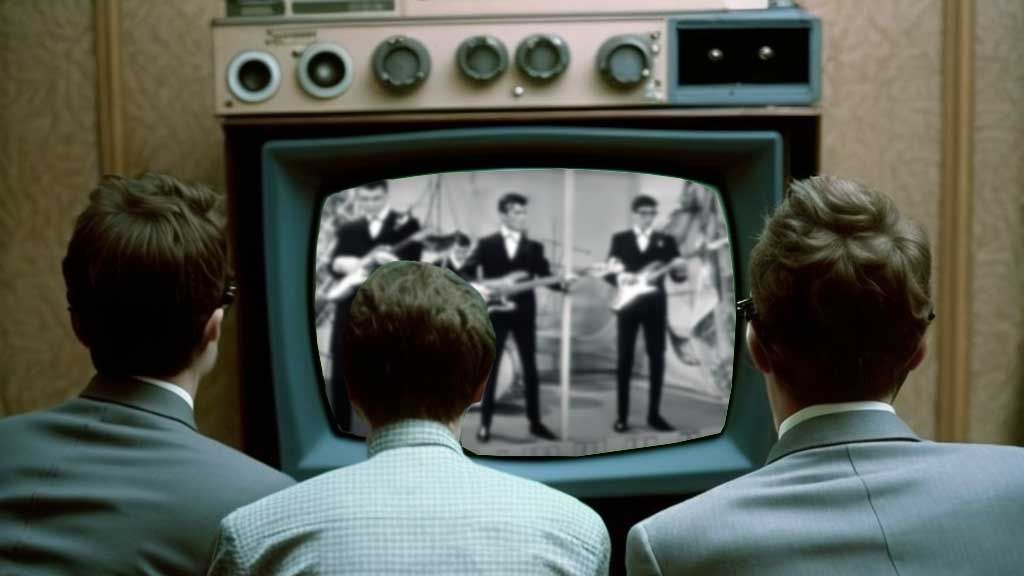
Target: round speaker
(482, 58)
(624, 61)
(324, 70)
(253, 76)
(542, 56)
(401, 63)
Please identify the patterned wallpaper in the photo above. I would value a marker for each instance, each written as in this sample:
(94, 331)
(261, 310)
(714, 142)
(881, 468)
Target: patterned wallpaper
(997, 338)
(882, 124)
(48, 164)
(170, 127)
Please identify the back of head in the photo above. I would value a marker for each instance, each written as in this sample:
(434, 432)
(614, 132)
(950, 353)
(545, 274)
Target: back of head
(840, 283)
(418, 343)
(146, 266)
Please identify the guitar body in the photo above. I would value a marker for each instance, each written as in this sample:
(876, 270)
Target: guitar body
(643, 285)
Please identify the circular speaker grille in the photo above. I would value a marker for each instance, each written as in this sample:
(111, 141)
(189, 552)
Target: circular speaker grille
(324, 70)
(401, 62)
(624, 61)
(542, 56)
(253, 76)
(482, 58)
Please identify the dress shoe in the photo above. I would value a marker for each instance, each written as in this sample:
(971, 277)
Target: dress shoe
(621, 426)
(483, 434)
(541, 431)
(659, 424)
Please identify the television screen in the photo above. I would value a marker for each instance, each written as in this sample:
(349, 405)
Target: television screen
(570, 342)
(710, 190)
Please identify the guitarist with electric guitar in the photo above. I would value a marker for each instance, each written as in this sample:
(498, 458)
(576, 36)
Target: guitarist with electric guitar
(499, 263)
(641, 257)
(379, 235)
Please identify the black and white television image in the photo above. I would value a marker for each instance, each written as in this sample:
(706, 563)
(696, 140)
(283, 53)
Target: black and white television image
(611, 293)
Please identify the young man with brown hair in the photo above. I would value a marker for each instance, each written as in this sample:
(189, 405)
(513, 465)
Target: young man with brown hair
(840, 303)
(418, 347)
(119, 480)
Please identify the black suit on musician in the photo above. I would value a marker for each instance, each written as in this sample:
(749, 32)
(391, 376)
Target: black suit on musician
(491, 258)
(354, 239)
(648, 311)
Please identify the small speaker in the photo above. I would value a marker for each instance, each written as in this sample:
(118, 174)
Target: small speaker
(253, 76)
(324, 70)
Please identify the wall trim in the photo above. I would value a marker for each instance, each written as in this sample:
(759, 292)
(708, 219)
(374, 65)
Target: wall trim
(109, 121)
(954, 290)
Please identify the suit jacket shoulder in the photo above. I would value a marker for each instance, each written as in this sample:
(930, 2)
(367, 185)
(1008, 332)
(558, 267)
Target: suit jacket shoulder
(135, 474)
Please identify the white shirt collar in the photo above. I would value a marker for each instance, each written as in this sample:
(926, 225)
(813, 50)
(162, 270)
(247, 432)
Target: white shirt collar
(510, 233)
(379, 216)
(639, 232)
(170, 388)
(816, 410)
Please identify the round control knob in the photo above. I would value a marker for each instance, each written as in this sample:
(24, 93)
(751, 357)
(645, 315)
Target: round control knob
(401, 63)
(766, 53)
(253, 76)
(482, 58)
(542, 56)
(715, 55)
(624, 61)
(324, 70)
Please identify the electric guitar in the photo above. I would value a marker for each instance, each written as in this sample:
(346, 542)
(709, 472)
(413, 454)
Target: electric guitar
(496, 291)
(361, 268)
(643, 282)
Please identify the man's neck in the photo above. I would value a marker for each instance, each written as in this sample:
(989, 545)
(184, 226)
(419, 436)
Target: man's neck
(505, 231)
(380, 215)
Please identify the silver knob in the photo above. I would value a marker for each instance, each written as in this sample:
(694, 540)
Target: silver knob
(518, 91)
(766, 53)
(715, 55)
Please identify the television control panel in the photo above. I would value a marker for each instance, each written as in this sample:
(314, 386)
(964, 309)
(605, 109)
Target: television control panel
(287, 64)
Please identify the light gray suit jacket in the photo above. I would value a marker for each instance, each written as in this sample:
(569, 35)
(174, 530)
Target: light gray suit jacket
(849, 493)
(417, 506)
(118, 481)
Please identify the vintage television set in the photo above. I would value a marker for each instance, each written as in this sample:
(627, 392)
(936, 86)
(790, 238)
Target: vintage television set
(472, 99)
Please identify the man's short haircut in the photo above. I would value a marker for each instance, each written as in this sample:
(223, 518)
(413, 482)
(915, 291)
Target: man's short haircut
(510, 198)
(840, 283)
(374, 184)
(643, 201)
(418, 343)
(146, 266)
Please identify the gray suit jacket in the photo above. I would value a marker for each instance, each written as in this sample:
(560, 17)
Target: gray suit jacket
(118, 481)
(849, 493)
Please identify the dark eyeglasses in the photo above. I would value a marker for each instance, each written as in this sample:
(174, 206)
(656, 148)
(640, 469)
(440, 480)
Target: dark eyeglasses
(746, 309)
(230, 293)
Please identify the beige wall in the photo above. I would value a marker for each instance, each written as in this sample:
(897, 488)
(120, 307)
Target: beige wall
(48, 160)
(882, 123)
(997, 338)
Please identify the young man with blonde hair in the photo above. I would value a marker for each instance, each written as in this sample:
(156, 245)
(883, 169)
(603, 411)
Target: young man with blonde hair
(840, 304)
(418, 347)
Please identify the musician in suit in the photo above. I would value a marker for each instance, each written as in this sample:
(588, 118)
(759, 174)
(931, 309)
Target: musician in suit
(368, 241)
(118, 480)
(839, 309)
(418, 349)
(458, 255)
(495, 256)
(634, 250)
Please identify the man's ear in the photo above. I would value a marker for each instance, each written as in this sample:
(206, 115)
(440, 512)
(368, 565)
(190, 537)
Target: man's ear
(919, 354)
(77, 327)
(756, 350)
(479, 394)
(211, 332)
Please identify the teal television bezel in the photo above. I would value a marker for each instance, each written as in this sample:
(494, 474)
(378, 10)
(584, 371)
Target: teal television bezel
(745, 166)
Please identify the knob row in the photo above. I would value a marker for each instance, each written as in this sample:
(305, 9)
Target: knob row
(401, 63)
